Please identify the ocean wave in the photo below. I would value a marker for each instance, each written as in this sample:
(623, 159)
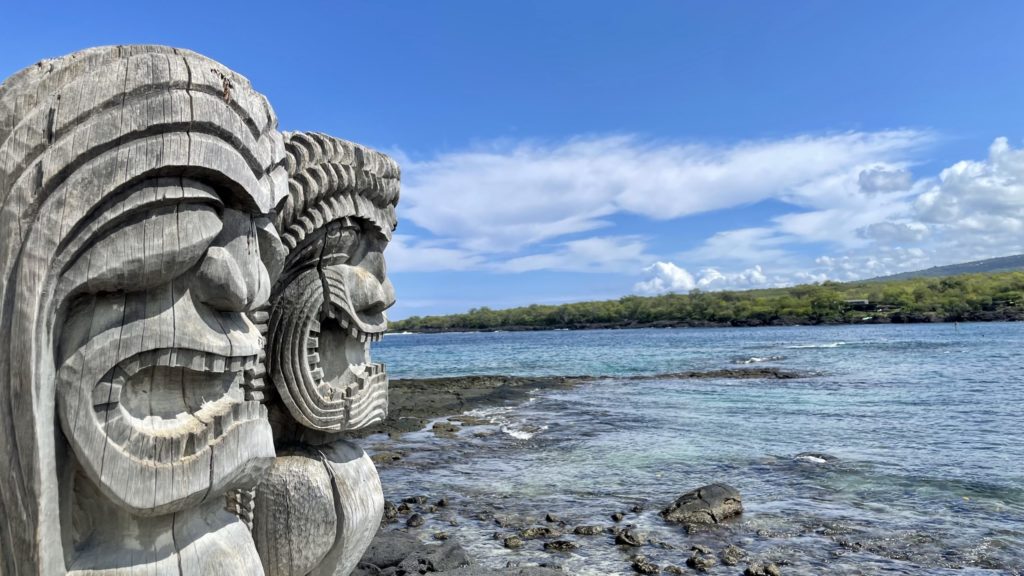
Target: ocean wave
(398, 333)
(521, 431)
(756, 359)
(825, 345)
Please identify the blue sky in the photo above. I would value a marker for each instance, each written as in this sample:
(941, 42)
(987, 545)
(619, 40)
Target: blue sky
(561, 151)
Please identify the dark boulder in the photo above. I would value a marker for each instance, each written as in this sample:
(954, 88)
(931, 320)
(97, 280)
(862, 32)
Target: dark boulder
(709, 504)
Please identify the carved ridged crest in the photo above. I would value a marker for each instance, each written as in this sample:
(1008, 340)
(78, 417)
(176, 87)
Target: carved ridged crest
(330, 178)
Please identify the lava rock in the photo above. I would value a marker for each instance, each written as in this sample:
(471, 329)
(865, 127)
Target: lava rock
(386, 457)
(539, 532)
(552, 518)
(732, 555)
(709, 504)
(760, 569)
(641, 565)
(513, 542)
(560, 546)
(415, 521)
(445, 430)
(442, 503)
(618, 516)
(390, 510)
(630, 537)
(440, 536)
(673, 569)
(415, 500)
(587, 530)
(397, 552)
(702, 559)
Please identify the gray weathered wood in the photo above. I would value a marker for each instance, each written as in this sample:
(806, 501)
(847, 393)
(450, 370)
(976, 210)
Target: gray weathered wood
(149, 213)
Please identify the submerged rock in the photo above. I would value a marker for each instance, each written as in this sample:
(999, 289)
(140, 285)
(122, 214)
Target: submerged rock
(641, 565)
(732, 555)
(709, 504)
(760, 569)
(560, 546)
(513, 542)
(587, 530)
(415, 521)
(539, 532)
(630, 537)
(702, 559)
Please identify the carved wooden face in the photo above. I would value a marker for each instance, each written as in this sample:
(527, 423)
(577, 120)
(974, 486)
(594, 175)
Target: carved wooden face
(154, 352)
(332, 297)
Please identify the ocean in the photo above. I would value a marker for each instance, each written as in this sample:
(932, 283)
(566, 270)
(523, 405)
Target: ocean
(926, 423)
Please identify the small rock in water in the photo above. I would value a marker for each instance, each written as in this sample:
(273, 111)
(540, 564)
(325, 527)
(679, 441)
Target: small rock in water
(442, 503)
(641, 565)
(618, 516)
(709, 504)
(440, 536)
(732, 555)
(385, 458)
(404, 508)
(390, 510)
(415, 500)
(415, 521)
(673, 569)
(636, 509)
(512, 542)
(702, 559)
(760, 569)
(630, 537)
(551, 518)
(587, 530)
(560, 546)
(445, 430)
(539, 532)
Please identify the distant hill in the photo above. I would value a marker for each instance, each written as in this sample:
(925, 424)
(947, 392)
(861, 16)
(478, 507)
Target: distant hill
(1002, 264)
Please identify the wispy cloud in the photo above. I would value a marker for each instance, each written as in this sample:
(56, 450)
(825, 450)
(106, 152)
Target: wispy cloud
(503, 207)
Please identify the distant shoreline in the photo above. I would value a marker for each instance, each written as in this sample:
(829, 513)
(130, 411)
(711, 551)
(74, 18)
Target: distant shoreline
(997, 317)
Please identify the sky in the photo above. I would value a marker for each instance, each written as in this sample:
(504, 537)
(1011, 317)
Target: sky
(577, 150)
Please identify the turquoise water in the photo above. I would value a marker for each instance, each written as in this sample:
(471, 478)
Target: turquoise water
(925, 420)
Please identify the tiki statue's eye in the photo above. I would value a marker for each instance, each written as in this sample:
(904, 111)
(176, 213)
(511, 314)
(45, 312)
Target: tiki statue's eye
(342, 238)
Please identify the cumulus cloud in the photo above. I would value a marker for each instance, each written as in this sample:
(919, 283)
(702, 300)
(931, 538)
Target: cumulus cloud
(668, 277)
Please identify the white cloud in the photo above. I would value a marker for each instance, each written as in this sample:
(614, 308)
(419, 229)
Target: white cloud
(881, 179)
(409, 254)
(668, 277)
(597, 254)
(506, 197)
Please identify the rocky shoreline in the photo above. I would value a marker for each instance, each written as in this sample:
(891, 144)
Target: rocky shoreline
(413, 403)
(412, 540)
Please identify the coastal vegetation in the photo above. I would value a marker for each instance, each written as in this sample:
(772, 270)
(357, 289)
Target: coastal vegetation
(969, 297)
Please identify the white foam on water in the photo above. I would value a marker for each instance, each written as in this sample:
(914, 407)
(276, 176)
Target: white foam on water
(825, 345)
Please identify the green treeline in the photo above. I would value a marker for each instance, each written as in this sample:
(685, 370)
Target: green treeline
(971, 297)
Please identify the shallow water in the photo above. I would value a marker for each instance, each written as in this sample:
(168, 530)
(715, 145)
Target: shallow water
(926, 422)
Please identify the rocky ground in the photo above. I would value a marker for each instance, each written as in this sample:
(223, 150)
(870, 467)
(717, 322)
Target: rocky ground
(400, 550)
(413, 403)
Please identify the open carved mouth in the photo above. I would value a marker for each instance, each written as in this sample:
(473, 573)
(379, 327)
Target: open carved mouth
(345, 369)
(179, 400)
